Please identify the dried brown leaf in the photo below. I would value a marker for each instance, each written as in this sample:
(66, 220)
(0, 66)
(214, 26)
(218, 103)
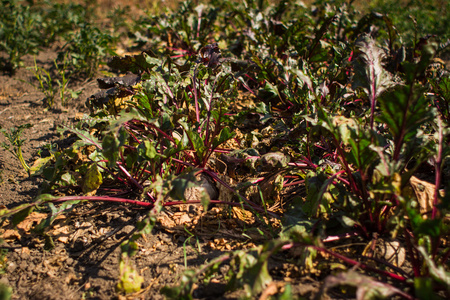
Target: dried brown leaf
(424, 192)
(10, 235)
(32, 219)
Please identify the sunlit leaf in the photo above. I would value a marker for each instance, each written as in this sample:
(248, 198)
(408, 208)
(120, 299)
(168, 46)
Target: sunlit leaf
(147, 150)
(55, 211)
(369, 71)
(38, 166)
(129, 281)
(68, 178)
(85, 137)
(273, 161)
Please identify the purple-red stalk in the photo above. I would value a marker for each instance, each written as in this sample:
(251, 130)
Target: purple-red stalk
(194, 83)
(129, 177)
(438, 171)
(347, 260)
(149, 204)
(410, 247)
(293, 183)
(353, 185)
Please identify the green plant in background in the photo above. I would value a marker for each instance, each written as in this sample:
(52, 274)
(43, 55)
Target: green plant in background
(65, 76)
(19, 33)
(86, 47)
(25, 29)
(45, 82)
(417, 18)
(61, 18)
(63, 82)
(15, 143)
(120, 21)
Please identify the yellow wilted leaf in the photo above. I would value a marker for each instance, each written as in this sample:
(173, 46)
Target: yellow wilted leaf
(92, 180)
(130, 281)
(38, 165)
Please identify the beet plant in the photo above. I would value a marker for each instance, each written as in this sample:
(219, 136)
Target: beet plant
(322, 123)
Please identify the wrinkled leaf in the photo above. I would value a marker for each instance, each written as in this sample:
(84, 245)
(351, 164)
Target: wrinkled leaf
(273, 161)
(187, 185)
(366, 287)
(127, 80)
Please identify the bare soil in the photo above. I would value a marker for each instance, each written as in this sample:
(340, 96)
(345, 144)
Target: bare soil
(84, 262)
